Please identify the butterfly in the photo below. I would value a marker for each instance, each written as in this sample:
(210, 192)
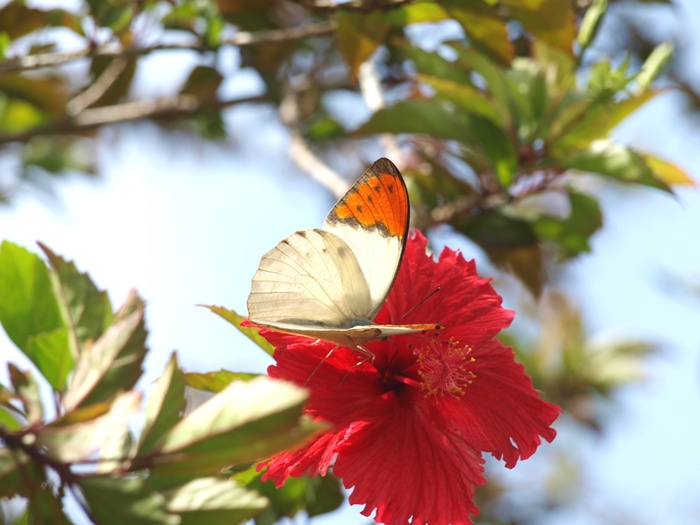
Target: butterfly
(329, 283)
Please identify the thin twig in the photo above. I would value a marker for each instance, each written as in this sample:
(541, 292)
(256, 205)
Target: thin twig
(371, 89)
(241, 39)
(98, 88)
(301, 152)
(365, 6)
(162, 108)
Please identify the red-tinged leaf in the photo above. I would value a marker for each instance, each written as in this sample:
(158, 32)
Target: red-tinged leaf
(86, 309)
(16, 19)
(243, 423)
(27, 390)
(486, 30)
(165, 406)
(216, 381)
(19, 474)
(359, 35)
(553, 21)
(419, 117)
(214, 500)
(76, 442)
(113, 362)
(251, 333)
(116, 501)
(668, 172)
(615, 161)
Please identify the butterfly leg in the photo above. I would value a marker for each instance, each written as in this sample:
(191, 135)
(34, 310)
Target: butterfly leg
(320, 363)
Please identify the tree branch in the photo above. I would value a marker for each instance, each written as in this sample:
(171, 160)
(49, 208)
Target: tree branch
(365, 6)
(163, 108)
(241, 39)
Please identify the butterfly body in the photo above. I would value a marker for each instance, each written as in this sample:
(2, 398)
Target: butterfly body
(330, 283)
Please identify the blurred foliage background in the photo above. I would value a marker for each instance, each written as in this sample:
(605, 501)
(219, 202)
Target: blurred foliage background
(498, 112)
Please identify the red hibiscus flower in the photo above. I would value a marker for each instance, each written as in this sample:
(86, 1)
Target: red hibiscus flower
(409, 428)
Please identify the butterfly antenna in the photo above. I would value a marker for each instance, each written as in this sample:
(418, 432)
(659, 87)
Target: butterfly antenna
(420, 303)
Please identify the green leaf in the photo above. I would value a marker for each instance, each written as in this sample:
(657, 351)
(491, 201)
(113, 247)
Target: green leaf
(8, 421)
(486, 30)
(359, 35)
(416, 13)
(615, 161)
(113, 362)
(590, 23)
(251, 333)
(216, 381)
(498, 148)
(572, 233)
(420, 117)
(19, 474)
(202, 82)
(87, 310)
(52, 356)
(165, 406)
(214, 500)
(28, 306)
(584, 120)
(27, 390)
(653, 65)
(45, 508)
(116, 501)
(245, 422)
(76, 441)
(465, 97)
(432, 65)
(314, 496)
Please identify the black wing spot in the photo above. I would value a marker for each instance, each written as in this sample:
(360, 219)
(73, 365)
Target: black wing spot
(390, 187)
(359, 208)
(370, 199)
(342, 252)
(378, 188)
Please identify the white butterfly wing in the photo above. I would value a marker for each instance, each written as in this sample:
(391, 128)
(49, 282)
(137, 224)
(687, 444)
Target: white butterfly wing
(311, 278)
(372, 218)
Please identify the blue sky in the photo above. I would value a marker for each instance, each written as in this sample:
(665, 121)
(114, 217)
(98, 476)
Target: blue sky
(186, 223)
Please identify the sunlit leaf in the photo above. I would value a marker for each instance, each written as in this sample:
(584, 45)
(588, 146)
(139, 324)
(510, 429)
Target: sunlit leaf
(8, 421)
(485, 29)
(668, 172)
(113, 362)
(165, 406)
(116, 501)
(251, 333)
(553, 21)
(51, 353)
(591, 22)
(214, 500)
(86, 308)
(359, 35)
(245, 422)
(654, 64)
(216, 381)
(615, 161)
(432, 65)
(28, 306)
(77, 441)
(415, 13)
